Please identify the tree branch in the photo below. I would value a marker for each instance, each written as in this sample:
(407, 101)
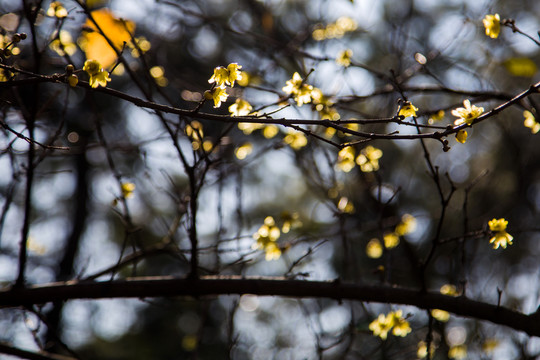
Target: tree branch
(143, 287)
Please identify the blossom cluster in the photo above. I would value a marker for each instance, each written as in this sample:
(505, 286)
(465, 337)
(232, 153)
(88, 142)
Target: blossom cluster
(393, 321)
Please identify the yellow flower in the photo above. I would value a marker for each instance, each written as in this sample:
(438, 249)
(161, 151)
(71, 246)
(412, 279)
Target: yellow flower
(248, 128)
(243, 151)
(374, 248)
(295, 139)
(266, 237)
(501, 237)
(344, 58)
(240, 108)
(391, 240)
(461, 136)
(324, 106)
(438, 116)
(290, 220)
(401, 326)
(449, 290)
(530, 122)
(98, 76)
(344, 205)
(234, 72)
(458, 352)
(440, 315)
(301, 92)
(492, 24)
(220, 76)
(56, 9)
(498, 224)
(407, 109)
(407, 225)
(345, 160)
(393, 321)
(127, 189)
(272, 252)
(63, 44)
(369, 159)
(422, 350)
(217, 94)
(467, 114)
(72, 80)
(269, 131)
(226, 76)
(381, 326)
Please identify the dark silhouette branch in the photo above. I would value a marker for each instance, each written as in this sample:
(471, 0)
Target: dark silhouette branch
(144, 287)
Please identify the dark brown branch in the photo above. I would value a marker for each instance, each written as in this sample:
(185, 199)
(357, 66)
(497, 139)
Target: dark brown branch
(235, 285)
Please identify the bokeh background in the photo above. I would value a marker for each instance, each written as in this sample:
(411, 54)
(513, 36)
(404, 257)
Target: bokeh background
(436, 54)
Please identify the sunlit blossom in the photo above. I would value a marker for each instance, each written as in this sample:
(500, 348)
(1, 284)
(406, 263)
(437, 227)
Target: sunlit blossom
(407, 109)
(500, 237)
(369, 159)
(240, 108)
(530, 122)
(492, 25)
(344, 58)
(98, 76)
(467, 114)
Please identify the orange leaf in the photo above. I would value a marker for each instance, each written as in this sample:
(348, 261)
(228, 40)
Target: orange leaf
(116, 30)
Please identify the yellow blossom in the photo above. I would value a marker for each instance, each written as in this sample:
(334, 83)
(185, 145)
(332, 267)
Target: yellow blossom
(407, 225)
(56, 9)
(72, 80)
(530, 122)
(461, 136)
(295, 139)
(345, 160)
(393, 321)
(369, 159)
(422, 350)
(467, 114)
(266, 237)
(440, 315)
(381, 326)
(63, 44)
(226, 76)
(240, 108)
(217, 94)
(269, 131)
(301, 92)
(344, 58)
(448, 289)
(243, 151)
(391, 240)
(127, 189)
(374, 248)
(344, 205)
(248, 128)
(492, 24)
(457, 352)
(401, 326)
(438, 116)
(98, 76)
(407, 109)
(324, 106)
(501, 237)
(290, 220)
(234, 73)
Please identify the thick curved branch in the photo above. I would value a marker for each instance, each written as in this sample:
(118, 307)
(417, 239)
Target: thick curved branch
(168, 286)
